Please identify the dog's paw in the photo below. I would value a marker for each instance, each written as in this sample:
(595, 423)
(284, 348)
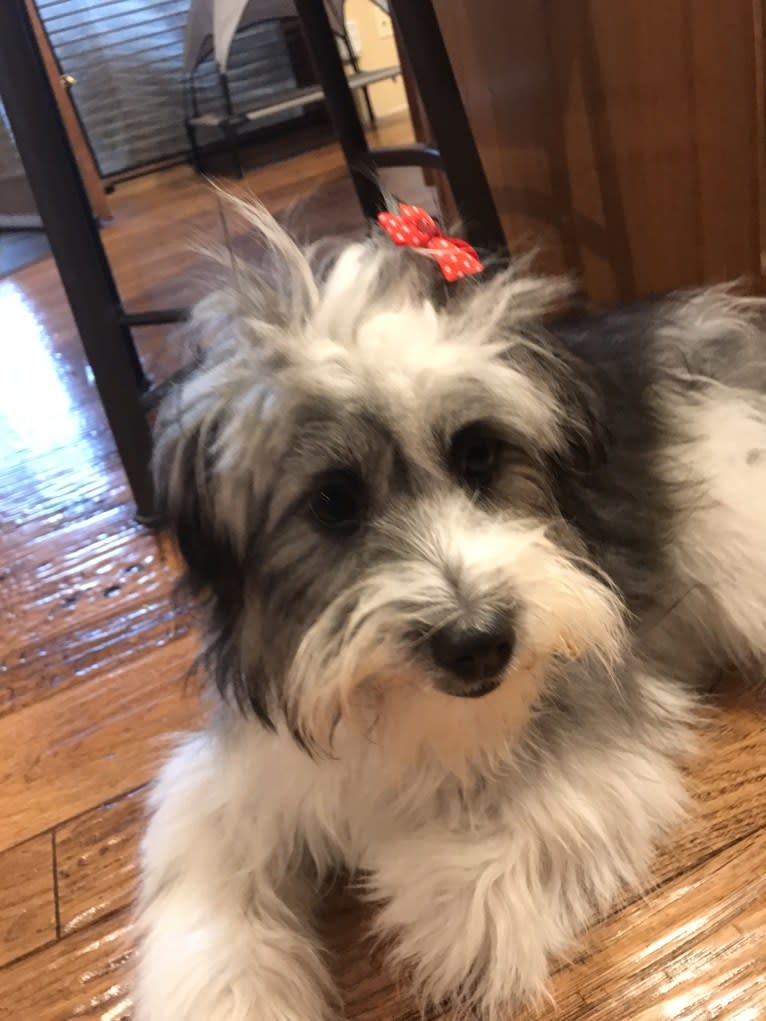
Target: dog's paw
(479, 953)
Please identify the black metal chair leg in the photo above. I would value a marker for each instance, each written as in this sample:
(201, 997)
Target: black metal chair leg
(232, 142)
(370, 109)
(191, 134)
(320, 39)
(422, 39)
(229, 127)
(62, 202)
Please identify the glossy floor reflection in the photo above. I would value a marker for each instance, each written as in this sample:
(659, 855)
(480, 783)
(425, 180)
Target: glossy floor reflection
(93, 654)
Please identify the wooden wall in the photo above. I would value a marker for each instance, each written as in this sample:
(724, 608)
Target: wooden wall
(623, 135)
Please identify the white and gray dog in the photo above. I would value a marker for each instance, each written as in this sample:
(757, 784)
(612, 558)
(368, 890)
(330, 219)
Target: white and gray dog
(465, 569)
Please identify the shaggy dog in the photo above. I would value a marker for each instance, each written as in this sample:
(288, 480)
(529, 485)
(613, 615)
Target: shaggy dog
(465, 569)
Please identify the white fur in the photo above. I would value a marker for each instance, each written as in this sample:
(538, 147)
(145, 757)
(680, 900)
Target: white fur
(719, 546)
(226, 937)
(483, 899)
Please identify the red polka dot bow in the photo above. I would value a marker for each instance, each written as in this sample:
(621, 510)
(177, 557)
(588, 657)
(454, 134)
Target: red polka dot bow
(414, 228)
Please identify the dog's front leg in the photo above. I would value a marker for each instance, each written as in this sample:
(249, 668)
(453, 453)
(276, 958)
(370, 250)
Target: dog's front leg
(225, 912)
(466, 920)
(477, 915)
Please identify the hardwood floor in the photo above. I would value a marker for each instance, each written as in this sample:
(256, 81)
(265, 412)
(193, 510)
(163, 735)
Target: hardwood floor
(94, 653)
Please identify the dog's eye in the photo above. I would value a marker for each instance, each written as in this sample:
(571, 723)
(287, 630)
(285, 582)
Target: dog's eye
(339, 502)
(474, 456)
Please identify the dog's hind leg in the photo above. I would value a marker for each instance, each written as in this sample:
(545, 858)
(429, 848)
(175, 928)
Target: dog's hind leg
(225, 910)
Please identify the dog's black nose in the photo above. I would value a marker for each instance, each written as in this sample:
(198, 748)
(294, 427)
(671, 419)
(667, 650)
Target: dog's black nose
(476, 657)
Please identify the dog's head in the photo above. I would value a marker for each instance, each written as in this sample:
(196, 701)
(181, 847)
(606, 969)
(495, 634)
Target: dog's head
(361, 475)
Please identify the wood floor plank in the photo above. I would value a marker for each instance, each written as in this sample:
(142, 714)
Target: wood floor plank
(27, 898)
(85, 976)
(93, 742)
(726, 782)
(96, 861)
(82, 597)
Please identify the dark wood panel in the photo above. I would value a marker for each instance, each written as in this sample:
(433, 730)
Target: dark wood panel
(620, 136)
(726, 46)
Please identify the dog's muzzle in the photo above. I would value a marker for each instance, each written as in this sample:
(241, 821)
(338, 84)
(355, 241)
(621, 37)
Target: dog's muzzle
(472, 661)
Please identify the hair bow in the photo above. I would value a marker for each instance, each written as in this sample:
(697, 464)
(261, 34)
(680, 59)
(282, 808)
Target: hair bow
(414, 228)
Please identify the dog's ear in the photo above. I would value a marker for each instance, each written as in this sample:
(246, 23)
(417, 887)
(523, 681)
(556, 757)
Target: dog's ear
(185, 491)
(193, 507)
